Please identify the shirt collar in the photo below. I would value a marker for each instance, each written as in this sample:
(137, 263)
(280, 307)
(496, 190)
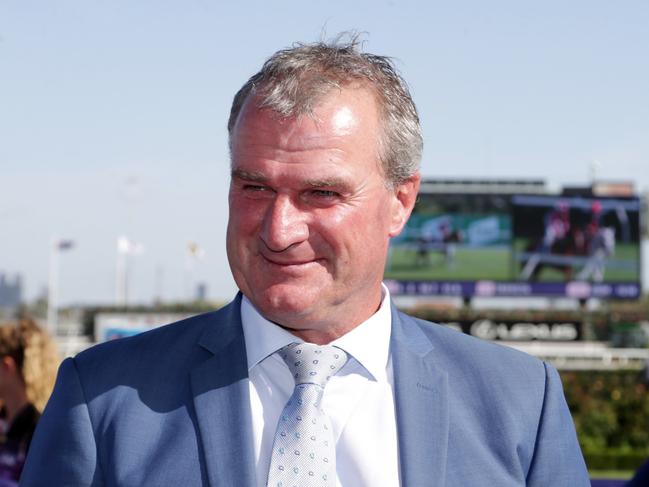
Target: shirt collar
(368, 343)
(262, 336)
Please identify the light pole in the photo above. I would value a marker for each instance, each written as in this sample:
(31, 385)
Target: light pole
(125, 247)
(194, 253)
(56, 247)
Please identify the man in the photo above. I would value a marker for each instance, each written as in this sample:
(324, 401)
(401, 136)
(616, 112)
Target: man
(325, 146)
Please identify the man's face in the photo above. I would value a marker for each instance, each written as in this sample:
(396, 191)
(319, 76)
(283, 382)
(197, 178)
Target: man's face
(310, 214)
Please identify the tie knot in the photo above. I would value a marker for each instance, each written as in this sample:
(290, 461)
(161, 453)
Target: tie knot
(313, 364)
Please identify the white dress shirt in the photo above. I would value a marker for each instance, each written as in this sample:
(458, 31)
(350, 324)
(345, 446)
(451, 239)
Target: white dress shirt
(359, 399)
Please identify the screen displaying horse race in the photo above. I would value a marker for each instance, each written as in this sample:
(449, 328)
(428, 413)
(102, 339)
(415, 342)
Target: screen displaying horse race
(518, 245)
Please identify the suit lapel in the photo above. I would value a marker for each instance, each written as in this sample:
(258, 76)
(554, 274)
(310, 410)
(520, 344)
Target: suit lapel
(222, 402)
(421, 397)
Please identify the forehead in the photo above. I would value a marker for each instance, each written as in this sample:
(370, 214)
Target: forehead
(346, 114)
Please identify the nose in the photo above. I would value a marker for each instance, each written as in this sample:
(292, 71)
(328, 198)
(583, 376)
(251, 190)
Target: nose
(284, 225)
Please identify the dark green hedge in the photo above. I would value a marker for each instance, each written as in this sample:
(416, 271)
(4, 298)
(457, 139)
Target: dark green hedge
(611, 413)
(618, 460)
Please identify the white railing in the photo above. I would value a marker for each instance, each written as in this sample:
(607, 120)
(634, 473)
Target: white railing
(564, 356)
(585, 355)
(72, 345)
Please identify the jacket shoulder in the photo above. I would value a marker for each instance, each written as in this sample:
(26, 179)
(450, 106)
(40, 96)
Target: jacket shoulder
(492, 370)
(447, 341)
(169, 336)
(162, 354)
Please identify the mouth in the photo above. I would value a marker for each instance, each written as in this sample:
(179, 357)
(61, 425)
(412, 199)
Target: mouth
(289, 263)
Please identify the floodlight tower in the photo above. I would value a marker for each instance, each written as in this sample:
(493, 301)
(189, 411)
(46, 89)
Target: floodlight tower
(56, 247)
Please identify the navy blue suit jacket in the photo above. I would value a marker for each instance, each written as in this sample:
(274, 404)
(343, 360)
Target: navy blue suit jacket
(171, 408)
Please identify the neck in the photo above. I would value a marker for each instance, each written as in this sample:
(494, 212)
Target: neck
(326, 331)
(316, 336)
(14, 403)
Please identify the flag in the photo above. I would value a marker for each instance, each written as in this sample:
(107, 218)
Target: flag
(195, 251)
(128, 246)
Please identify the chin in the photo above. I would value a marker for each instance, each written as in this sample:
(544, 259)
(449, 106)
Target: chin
(281, 302)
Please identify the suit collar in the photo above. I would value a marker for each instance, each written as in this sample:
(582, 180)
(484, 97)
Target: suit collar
(220, 335)
(222, 402)
(421, 401)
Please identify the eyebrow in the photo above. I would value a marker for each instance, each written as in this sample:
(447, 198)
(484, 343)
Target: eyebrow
(259, 177)
(327, 183)
(252, 176)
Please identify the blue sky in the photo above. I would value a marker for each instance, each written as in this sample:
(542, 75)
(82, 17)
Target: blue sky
(113, 114)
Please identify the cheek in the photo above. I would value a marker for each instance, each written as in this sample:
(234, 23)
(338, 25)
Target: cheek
(354, 232)
(371, 221)
(245, 217)
(240, 239)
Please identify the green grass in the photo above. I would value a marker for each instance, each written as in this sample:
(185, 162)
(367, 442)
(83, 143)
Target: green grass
(622, 251)
(489, 263)
(610, 474)
(468, 264)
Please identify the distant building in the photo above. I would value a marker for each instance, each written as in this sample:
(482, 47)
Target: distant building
(11, 291)
(201, 292)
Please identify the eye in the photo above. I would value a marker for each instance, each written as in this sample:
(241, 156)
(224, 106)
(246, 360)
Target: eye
(254, 188)
(325, 193)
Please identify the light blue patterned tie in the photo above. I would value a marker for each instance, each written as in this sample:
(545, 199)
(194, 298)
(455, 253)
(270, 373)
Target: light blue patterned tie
(304, 452)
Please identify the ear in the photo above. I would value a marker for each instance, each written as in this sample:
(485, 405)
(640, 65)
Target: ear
(405, 196)
(8, 363)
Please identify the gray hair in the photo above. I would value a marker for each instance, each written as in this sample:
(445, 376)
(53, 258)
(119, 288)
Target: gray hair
(292, 82)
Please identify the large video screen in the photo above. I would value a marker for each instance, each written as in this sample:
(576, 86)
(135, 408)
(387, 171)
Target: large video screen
(518, 245)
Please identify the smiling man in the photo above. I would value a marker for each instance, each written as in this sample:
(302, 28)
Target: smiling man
(310, 377)
(311, 213)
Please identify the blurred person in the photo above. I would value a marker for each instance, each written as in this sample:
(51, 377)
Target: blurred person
(28, 363)
(310, 376)
(438, 235)
(601, 246)
(558, 238)
(557, 226)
